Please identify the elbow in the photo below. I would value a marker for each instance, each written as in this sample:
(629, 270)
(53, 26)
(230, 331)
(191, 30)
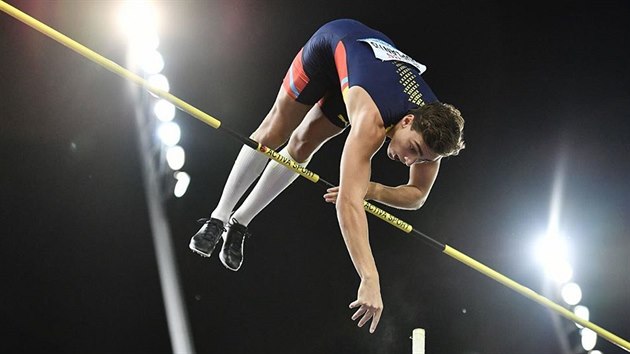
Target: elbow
(417, 204)
(346, 206)
(343, 203)
(418, 199)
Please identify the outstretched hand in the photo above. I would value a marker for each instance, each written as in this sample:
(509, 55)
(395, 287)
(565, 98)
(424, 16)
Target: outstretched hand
(369, 303)
(331, 195)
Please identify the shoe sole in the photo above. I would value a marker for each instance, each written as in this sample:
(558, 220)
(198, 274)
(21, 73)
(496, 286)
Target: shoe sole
(199, 252)
(227, 266)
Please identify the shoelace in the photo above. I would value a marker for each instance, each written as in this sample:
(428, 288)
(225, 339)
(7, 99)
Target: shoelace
(205, 220)
(245, 233)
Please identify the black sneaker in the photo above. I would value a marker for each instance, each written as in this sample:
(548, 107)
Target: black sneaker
(232, 252)
(207, 237)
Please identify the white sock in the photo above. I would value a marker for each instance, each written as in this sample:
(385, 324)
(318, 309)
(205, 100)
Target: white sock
(247, 167)
(273, 181)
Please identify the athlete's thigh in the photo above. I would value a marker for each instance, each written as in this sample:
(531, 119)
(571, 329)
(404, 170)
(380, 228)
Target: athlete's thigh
(312, 133)
(283, 118)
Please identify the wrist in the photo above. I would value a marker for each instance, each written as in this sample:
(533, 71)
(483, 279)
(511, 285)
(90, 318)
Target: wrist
(370, 276)
(372, 191)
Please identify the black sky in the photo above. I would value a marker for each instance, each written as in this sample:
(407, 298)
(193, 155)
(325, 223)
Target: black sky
(537, 84)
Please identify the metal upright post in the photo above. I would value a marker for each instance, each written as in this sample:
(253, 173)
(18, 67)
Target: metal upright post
(176, 314)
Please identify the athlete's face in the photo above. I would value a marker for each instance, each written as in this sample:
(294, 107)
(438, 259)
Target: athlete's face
(408, 146)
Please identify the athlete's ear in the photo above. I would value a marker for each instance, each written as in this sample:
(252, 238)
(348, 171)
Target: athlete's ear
(408, 119)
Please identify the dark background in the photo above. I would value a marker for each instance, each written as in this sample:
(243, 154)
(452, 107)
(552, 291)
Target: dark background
(537, 84)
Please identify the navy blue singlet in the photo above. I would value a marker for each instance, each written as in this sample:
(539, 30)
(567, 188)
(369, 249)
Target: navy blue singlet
(341, 54)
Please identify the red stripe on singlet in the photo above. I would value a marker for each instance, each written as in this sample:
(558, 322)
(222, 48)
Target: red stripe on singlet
(296, 79)
(342, 66)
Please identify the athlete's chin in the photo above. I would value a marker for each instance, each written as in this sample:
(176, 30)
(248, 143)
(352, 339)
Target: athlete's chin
(390, 153)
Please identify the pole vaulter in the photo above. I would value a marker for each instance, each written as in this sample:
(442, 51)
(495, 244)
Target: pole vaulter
(311, 176)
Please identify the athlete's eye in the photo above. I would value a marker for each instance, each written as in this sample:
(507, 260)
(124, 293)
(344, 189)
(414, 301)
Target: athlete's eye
(412, 148)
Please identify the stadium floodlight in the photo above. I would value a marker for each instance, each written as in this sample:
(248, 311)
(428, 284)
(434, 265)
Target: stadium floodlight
(571, 293)
(175, 157)
(581, 312)
(559, 270)
(183, 180)
(169, 133)
(143, 41)
(164, 110)
(151, 62)
(160, 81)
(552, 253)
(138, 20)
(589, 338)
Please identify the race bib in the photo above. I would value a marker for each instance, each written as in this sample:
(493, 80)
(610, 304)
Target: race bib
(384, 51)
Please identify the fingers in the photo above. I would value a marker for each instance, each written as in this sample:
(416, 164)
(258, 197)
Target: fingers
(366, 313)
(331, 196)
(366, 317)
(359, 312)
(375, 320)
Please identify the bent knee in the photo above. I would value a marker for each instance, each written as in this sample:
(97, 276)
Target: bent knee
(269, 137)
(300, 149)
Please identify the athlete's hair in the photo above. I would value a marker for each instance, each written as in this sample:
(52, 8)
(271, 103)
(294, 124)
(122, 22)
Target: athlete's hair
(442, 127)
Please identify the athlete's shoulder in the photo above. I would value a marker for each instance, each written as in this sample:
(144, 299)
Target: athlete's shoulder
(347, 22)
(347, 25)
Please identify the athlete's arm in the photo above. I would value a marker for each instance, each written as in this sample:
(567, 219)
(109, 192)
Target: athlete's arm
(365, 138)
(409, 196)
